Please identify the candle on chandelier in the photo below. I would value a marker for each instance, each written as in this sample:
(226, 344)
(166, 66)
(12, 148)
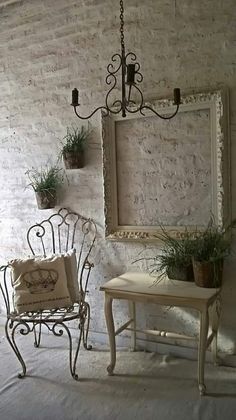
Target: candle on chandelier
(75, 97)
(177, 97)
(130, 74)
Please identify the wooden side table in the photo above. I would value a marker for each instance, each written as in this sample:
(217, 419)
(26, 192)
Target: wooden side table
(142, 287)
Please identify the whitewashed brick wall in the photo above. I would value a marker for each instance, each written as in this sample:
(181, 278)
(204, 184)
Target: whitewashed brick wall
(49, 47)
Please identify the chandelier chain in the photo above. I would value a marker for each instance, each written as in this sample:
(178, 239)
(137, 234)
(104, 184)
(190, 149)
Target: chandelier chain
(122, 25)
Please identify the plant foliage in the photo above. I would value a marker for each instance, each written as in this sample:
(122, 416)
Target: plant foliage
(211, 244)
(45, 179)
(176, 253)
(75, 140)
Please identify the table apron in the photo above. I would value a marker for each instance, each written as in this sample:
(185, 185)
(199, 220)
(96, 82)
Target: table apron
(193, 303)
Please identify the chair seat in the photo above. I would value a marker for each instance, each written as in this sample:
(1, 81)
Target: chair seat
(49, 315)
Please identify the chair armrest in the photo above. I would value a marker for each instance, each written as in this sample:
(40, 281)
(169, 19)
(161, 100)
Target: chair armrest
(4, 280)
(84, 275)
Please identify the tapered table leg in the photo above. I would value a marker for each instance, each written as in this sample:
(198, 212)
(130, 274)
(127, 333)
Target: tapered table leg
(132, 312)
(204, 326)
(111, 332)
(215, 325)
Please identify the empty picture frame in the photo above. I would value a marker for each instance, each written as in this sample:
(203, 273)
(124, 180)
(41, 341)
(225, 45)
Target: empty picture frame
(174, 173)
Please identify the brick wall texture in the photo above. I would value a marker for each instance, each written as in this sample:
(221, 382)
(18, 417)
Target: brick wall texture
(47, 48)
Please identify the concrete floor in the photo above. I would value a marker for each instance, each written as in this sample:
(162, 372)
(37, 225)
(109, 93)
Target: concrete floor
(146, 386)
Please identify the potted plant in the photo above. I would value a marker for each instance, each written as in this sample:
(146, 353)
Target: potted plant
(45, 182)
(210, 249)
(73, 148)
(175, 259)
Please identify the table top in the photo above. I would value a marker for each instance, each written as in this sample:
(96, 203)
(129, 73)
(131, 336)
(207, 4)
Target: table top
(145, 283)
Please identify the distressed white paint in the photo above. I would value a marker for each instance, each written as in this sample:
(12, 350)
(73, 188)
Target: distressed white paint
(46, 49)
(173, 173)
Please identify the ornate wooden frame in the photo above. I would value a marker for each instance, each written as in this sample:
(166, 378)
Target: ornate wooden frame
(217, 104)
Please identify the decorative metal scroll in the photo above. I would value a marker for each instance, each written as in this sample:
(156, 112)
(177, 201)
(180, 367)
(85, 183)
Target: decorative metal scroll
(57, 234)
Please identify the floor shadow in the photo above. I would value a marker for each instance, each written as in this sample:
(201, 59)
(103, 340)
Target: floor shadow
(221, 394)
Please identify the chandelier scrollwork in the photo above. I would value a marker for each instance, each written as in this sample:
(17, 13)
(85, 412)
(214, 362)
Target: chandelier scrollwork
(131, 77)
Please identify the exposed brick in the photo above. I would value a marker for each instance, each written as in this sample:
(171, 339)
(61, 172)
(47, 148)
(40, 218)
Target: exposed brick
(49, 47)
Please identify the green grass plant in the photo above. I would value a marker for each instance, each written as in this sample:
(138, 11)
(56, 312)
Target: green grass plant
(75, 140)
(45, 179)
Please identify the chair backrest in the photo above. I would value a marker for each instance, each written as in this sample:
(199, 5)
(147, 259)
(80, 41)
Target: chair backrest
(58, 234)
(61, 232)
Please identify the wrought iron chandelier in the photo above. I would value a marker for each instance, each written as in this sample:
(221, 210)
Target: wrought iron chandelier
(130, 78)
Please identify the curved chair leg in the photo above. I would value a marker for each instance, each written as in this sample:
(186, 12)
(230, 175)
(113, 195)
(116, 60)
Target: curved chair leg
(111, 333)
(13, 345)
(86, 330)
(72, 361)
(37, 335)
(74, 374)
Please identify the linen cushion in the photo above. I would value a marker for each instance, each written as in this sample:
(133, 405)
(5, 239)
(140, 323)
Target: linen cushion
(39, 283)
(72, 275)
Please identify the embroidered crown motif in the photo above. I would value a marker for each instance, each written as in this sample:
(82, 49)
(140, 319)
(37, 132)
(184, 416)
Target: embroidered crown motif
(40, 280)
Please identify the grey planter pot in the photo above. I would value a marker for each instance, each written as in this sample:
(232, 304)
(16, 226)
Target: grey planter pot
(73, 160)
(181, 273)
(207, 273)
(46, 199)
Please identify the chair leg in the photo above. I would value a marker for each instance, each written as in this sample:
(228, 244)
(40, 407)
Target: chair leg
(85, 330)
(74, 374)
(37, 335)
(10, 331)
(72, 361)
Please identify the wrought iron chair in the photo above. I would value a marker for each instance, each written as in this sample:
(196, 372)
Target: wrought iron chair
(59, 233)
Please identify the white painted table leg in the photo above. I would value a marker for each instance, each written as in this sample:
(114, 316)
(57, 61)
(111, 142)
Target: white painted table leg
(215, 326)
(204, 325)
(216, 360)
(111, 332)
(132, 311)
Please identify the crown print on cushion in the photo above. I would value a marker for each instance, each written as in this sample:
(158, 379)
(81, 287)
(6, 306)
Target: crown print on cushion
(40, 280)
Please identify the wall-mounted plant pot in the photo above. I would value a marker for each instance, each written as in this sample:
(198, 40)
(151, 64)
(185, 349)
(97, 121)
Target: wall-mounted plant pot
(73, 160)
(208, 274)
(181, 273)
(46, 199)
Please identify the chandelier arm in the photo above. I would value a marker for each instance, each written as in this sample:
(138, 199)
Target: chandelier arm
(138, 68)
(109, 79)
(132, 56)
(89, 116)
(112, 111)
(110, 65)
(157, 114)
(118, 101)
(139, 77)
(108, 82)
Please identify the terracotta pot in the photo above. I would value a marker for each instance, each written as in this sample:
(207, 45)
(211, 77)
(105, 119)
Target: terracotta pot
(207, 273)
(73, 160)
(181, 273)
(46, 199)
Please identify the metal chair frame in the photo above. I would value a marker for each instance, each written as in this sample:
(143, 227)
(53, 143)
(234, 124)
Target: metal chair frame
(57, 234)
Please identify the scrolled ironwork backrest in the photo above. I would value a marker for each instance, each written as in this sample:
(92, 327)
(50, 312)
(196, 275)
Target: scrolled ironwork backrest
(61, 232)
(57, 234)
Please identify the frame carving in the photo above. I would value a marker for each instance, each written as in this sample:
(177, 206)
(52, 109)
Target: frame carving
(216, 103)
